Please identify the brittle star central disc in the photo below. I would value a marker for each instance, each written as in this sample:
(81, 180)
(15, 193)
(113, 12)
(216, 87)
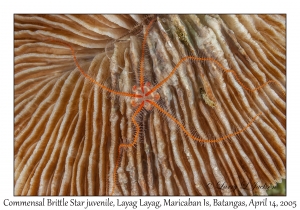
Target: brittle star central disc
(142, 92)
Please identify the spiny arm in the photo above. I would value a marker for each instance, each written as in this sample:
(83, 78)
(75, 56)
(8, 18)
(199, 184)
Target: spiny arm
(220, 65)
(143, 55)
(89, 77)
(136, 136)
(200, 139)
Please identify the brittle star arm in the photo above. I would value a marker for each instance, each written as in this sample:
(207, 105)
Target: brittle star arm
(239, 81)
(220, 65)
(136, 136)
(92, 79)
(197, 138)
(143, 55)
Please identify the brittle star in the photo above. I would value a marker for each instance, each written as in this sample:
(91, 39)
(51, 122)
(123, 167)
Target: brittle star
(145, 96)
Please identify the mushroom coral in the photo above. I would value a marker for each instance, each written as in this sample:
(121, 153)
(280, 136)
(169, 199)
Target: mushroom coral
(68, 130)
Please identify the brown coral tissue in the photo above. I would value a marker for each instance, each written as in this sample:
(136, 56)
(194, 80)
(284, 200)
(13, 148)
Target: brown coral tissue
(149, 104)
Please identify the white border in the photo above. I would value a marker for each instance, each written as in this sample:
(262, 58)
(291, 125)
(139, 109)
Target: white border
(157, 6)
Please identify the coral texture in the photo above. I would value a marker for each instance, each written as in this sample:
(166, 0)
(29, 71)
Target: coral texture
(217, 126)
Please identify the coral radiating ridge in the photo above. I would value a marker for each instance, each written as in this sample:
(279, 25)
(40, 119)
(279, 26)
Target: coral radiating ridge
(68, 130)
